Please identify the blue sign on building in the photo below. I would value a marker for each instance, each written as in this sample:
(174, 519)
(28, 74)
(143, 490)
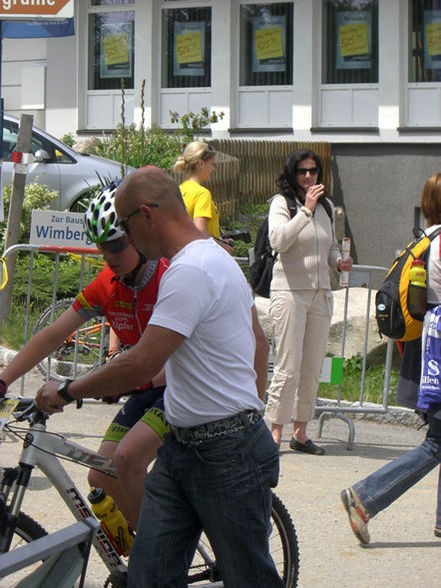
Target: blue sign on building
(38, 28)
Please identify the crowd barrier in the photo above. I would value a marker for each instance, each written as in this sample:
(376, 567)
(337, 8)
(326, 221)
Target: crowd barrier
(367, 277)
(87, 260)
(62, 555)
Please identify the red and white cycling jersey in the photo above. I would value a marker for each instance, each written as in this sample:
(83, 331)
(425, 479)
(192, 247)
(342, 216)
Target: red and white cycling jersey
(127, 309)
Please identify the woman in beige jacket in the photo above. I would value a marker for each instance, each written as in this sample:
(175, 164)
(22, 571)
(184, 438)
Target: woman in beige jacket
(301, 232)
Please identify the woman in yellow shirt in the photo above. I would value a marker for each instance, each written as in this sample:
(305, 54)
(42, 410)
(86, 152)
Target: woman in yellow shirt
(198, 162)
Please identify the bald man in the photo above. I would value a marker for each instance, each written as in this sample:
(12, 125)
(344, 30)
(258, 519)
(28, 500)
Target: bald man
(217, 465)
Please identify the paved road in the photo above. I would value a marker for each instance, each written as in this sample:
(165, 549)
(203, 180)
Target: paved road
(403, 552)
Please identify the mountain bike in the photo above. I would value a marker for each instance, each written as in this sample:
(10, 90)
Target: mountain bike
(83, 351)
(19, 417)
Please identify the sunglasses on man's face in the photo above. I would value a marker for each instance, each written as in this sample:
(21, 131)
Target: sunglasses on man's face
(124, 221)
(304, 170)
(115, 246)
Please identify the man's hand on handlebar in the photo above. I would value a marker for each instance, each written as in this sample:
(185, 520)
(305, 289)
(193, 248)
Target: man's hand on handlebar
(48, 399)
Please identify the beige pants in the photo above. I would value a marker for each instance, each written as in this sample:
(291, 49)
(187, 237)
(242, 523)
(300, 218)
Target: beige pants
(300, 322)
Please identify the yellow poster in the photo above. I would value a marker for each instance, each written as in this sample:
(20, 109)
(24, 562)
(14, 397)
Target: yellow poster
(269, 43)
(115, 49)
(188, 48)
(433, 35)
(354, 39)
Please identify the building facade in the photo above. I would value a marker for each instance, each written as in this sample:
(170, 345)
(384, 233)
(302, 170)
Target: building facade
(364, 75)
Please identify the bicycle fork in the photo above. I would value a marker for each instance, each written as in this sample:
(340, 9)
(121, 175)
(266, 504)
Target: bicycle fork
(16, 479)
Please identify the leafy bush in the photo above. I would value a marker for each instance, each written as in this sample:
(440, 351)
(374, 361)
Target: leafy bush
(68, 139)
(138, 146)
(193, 122)
(43, 278)
(35, 196)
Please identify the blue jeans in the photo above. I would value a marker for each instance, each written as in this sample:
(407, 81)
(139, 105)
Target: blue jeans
(388, 483)
(221, 486)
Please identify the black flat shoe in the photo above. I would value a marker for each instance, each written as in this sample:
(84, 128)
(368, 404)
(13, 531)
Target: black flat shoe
(308, 447)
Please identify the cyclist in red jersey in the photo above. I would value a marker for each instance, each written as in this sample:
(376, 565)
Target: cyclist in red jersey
(125, 292)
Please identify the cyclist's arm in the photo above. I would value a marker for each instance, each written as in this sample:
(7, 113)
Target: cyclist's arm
(41, 345)
(128, 371)
(260, 356)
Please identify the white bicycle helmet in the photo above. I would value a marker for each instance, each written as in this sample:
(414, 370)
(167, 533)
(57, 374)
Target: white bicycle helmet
(100, 221)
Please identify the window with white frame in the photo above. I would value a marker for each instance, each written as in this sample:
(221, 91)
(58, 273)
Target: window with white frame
(186, 47)
(350, 49)
(111, 45)
(425, 41)
(266, 44)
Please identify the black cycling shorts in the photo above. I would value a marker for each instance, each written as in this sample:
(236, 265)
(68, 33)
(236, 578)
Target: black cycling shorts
(147, 406)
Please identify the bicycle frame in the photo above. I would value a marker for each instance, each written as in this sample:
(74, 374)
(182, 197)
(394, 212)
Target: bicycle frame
(40, 448)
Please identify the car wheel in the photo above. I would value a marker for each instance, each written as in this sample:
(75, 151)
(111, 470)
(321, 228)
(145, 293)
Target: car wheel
(81, 204)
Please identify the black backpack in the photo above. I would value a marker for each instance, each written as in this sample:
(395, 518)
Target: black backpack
(261, 270)
(392, 312)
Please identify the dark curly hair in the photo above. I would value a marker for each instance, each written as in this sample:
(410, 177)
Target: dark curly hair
(287, 179)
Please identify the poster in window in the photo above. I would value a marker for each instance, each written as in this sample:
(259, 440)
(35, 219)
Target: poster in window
(353, 35)
(269, 43)
(189, 49)
(432, 39)
(116, 50)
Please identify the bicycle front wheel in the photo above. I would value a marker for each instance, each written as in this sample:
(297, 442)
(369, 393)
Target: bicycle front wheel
(284, 550)
(78, 354)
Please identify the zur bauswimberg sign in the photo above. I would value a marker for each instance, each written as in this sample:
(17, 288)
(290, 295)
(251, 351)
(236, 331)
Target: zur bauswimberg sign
(59, 229)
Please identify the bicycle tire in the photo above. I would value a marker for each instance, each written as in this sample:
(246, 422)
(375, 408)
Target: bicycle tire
(284, 550)
(27, 530)
(60, 365)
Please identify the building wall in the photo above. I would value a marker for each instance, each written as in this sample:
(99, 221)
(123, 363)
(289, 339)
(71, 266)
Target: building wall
(379, 186)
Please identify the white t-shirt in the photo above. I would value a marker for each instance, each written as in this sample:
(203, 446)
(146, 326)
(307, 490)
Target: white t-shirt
(434, 269)
(205, 297)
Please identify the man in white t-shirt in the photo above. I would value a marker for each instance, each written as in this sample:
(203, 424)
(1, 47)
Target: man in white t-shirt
(216, 467)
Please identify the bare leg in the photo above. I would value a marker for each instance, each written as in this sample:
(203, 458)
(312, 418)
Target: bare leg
(300, 431)
(132, 456)
(110, 485)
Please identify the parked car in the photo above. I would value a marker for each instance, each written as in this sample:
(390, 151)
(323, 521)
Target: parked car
(59, 167)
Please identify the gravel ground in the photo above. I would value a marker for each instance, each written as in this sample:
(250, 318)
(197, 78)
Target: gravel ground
(309, 486)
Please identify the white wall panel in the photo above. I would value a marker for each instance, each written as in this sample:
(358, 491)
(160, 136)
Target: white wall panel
(349, 106)
(365, 107)
(424, 106)
(182, 101)
(336, 106)
(253, 109)
(280, 108)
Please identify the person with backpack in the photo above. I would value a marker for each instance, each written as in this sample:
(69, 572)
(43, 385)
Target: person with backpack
(368, 497)
(301, 232)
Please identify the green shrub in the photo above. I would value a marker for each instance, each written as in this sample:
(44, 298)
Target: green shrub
(138, 146)
(68, 139)
(36, 196)
(43, 278)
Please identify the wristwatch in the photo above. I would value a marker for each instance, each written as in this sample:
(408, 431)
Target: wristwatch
(62, 391)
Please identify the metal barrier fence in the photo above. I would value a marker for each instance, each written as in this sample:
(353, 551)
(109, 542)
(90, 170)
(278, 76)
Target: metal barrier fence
(88, 345)
(70, 361)
(367, 277)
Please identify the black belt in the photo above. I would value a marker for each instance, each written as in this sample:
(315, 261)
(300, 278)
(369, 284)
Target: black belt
(192, 436)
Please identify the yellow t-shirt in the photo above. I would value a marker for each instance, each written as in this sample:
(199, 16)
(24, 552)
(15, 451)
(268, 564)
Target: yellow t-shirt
(199, 203)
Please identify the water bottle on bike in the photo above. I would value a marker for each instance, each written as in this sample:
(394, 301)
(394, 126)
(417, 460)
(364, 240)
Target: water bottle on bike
(112, 520)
